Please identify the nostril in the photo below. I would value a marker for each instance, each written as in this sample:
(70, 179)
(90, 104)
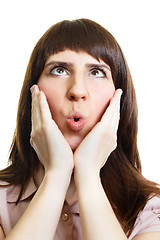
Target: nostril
(76, 96)
(72, 98)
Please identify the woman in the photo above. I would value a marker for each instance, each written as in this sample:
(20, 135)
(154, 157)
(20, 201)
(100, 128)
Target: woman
(75, 170)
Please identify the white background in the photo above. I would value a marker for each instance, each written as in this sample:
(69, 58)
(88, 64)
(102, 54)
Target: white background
(136, 26)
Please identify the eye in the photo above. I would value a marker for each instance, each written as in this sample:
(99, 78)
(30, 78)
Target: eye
(59, 71)
(99, 73)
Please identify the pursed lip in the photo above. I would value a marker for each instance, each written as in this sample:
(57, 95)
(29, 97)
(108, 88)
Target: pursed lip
(76, 121)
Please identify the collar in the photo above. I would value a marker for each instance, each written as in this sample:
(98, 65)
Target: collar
(12, 192)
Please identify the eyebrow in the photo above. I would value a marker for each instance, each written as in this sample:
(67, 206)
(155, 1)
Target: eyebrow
(90, 65)
(59, 63)
(68, 64)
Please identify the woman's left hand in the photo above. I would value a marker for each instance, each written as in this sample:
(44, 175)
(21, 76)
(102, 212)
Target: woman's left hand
(96, 147)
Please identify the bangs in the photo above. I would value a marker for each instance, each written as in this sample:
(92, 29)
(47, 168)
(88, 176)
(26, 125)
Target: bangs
(80, 35)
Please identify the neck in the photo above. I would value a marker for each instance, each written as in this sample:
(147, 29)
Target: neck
(71, 196)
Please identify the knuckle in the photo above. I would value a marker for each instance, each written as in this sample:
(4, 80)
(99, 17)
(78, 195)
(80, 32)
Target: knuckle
(32, 136)
(43, 129)
(31, 141)
(39, 132)
(115, 145)
(115, 142)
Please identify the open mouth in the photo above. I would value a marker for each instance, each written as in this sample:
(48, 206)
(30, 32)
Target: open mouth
(76, 122)
(76, 119)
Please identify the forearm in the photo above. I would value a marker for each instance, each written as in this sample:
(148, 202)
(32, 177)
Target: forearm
(42, 215)
(97, 217)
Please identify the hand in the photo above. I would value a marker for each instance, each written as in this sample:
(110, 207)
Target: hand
(47, 140)
(94, 150)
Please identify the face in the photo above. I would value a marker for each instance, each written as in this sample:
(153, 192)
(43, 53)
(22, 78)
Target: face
(78, 90)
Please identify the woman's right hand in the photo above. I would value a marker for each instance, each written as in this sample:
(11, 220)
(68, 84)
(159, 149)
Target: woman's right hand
(47, 140)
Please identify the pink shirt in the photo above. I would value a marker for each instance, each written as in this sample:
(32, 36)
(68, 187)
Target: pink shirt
(69, 227)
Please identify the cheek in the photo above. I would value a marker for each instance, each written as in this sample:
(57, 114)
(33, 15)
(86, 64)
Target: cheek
(51, 95)
(102, 101)
(104, 96)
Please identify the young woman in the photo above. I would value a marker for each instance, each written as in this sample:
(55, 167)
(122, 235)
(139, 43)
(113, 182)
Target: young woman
(74, 170)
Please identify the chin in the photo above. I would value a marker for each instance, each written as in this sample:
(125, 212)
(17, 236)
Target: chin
(74, 142)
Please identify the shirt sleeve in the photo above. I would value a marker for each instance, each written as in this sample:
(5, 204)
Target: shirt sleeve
(148, 219)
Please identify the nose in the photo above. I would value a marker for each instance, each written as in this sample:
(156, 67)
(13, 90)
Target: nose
(77, 91)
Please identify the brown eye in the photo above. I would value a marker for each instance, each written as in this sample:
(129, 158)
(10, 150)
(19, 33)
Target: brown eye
(59, 71)
(97, 73)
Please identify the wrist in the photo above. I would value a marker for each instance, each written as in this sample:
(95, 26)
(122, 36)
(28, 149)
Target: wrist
(83, 177)
(86, 169)
(61, 169)
(58, 175)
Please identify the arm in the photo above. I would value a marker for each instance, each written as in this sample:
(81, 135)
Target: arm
(97, 217)
(42, 215)
(57, 158)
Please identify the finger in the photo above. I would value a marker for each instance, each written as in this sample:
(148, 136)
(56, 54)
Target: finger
(112, 113)
(117, 110)
(117, 95)
(44, 108)
(35, 115)
(115, 103)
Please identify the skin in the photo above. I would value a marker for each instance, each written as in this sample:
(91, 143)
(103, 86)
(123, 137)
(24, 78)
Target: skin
(72, 159)
(76, 88)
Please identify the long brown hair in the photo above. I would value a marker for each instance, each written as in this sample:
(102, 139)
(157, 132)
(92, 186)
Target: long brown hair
(126, 188)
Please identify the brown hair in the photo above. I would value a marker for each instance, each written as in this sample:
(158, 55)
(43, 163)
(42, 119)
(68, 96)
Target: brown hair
(126, 188)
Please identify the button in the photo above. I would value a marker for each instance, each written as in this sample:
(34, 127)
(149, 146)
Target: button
(65, 217)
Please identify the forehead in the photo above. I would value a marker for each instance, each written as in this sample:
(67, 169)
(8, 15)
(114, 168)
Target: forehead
(81, 58)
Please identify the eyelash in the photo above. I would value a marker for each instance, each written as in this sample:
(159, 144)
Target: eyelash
(91, 70)
(101, 70)
(56, 67)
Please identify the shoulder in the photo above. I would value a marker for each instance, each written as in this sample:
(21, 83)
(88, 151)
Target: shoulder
(151, 209)
(6, 211)
(148, 219)
(3, 189)
(3, 200)
(10, 212)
